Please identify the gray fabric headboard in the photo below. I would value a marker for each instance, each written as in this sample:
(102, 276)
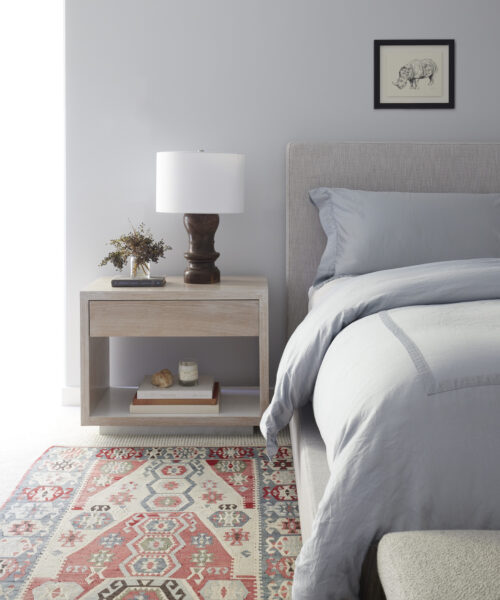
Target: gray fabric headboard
(391, 166)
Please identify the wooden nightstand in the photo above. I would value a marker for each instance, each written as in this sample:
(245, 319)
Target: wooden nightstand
(237, 306)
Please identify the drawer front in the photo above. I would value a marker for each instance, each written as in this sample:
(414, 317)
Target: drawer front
(171, 318)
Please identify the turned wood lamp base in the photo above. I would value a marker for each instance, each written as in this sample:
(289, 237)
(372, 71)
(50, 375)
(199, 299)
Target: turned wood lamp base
(201, 256)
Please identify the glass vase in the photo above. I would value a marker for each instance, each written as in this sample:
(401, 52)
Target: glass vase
(139, 270)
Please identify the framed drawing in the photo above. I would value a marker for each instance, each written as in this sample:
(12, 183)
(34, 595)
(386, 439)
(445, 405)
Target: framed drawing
(414, 74)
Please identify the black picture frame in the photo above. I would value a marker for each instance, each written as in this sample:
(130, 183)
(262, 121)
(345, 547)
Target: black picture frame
(421, 103)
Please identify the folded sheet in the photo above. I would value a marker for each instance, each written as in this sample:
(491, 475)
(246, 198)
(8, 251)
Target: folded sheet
(451, 347)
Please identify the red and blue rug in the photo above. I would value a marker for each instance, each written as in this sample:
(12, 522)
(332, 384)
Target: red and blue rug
(179, 523)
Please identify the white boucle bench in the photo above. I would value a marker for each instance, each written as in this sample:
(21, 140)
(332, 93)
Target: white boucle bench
(440, 565)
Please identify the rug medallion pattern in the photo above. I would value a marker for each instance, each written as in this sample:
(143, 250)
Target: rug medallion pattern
(179, 523)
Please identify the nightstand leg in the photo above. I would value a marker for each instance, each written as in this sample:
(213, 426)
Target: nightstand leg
(94, 362)
(263, 355)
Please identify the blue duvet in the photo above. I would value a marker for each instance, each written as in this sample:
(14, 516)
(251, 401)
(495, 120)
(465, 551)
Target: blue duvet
(403, 368)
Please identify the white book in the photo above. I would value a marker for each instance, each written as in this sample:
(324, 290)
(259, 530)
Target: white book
(174, 409)
(203, 390)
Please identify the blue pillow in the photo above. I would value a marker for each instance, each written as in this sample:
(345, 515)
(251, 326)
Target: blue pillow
(372, 231)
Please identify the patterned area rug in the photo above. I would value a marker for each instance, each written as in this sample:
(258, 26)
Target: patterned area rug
(152, 523)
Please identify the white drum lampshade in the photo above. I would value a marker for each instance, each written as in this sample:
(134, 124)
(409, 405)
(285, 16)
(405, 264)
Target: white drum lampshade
(200, 182)
(201, 185)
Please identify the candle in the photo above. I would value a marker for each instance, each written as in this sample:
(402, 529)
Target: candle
(188, 372)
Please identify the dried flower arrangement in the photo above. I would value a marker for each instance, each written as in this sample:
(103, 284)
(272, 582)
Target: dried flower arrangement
(140, 245)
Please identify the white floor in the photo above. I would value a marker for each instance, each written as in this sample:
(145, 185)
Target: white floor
(27, 431)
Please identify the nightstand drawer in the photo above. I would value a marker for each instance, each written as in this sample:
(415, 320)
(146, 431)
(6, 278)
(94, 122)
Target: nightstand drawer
(171, 318)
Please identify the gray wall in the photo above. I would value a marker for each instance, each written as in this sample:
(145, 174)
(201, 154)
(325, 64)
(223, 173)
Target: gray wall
(238, 76)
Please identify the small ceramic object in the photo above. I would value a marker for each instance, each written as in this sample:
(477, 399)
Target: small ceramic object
(163, 378)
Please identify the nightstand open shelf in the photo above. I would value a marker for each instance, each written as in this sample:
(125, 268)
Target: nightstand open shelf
(239, 407)
(236, 307)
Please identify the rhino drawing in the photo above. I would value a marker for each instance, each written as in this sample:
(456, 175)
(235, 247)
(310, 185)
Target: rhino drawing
(414, 70)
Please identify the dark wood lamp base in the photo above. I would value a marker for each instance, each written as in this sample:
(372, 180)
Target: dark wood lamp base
(202, 255)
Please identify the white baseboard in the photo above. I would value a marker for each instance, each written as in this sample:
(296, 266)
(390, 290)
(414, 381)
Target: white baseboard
(142, 430)
(70, 396)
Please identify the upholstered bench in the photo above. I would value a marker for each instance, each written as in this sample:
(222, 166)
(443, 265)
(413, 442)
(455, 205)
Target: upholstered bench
(440, 565)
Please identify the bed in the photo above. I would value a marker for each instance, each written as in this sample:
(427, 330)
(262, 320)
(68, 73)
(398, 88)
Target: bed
(403, 167)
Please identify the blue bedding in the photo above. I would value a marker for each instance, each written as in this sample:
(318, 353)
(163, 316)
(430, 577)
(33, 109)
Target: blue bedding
(403, 366)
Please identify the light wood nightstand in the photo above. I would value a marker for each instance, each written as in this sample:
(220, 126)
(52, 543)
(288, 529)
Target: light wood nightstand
(237, 306)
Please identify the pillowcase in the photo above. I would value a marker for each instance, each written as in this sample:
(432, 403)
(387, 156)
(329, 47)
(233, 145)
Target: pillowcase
(372, 231)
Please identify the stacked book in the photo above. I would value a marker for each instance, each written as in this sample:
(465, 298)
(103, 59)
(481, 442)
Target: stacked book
(201, 399)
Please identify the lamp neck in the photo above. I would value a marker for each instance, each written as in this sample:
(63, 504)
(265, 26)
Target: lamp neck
(202, 255)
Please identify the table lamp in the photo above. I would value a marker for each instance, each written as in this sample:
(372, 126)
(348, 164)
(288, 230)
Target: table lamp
(201, 185)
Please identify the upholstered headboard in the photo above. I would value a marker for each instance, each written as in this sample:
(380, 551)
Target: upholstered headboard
(391, 166)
